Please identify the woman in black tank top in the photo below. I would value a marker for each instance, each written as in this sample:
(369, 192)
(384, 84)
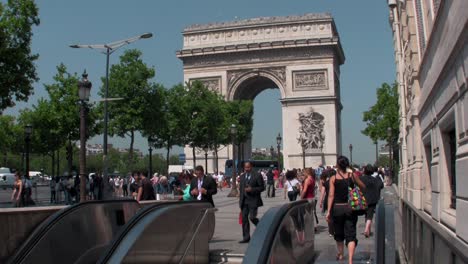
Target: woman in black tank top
(344, 219)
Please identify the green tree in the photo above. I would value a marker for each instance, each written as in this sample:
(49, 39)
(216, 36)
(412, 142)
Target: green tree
(241, 115)
(17, 69)
(46, 138)
(165, 117)
(63, 93)
(384, 161)
(7, 135)
(382, 115)
(128, 80)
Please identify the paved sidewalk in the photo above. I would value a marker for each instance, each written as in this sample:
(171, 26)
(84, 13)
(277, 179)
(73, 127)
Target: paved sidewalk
(228, 231)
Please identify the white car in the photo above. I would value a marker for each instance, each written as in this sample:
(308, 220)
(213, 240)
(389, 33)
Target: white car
(7, 179)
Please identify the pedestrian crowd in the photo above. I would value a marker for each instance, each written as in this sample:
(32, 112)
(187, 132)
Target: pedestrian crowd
(346, 193)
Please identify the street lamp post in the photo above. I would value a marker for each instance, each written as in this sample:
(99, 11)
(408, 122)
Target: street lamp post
(278, 143)
(84, 91)
(206, 158)
(376, 153)
(233, 192)
(27, 141)
(150, 151)
(303, 146)
(351, 153)
(108, 49)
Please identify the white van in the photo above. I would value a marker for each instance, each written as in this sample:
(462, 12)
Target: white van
(7, 179)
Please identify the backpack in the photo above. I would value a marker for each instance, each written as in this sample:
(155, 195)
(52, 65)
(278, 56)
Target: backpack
(27, 183)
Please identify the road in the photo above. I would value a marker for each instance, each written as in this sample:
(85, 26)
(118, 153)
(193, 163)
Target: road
(41, 195)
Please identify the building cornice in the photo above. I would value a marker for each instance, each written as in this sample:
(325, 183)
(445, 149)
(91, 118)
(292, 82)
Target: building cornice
(308, 99)
(270, 45)
(255, 22)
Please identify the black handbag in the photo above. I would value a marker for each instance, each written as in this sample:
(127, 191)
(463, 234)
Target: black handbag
(295, 189)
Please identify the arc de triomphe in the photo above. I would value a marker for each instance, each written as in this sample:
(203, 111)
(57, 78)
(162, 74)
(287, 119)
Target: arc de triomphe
(299, 55)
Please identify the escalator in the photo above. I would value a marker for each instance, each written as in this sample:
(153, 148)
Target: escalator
(285, 234)
(177, 232)
(120, 232)
(77, 233)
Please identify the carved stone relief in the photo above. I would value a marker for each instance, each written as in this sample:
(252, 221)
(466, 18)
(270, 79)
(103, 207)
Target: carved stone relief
(242, 35)
(310, 80)
(212, 83)
(278, 72)
(258, 56)
(311, 134)
(232, 76)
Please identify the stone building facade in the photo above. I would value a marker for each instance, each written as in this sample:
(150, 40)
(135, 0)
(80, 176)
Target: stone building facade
(431, 55)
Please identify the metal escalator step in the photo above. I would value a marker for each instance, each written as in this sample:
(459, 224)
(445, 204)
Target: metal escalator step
(225, 257)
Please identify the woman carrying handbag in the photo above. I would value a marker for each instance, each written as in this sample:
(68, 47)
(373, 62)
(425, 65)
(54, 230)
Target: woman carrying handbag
(292, 187)
(344, 203)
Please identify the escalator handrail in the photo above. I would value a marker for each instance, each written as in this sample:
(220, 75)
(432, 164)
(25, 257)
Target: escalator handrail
(262, 240)
(195, 233)
(109, 252)
(49, 223)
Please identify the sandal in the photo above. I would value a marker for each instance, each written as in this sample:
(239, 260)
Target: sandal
(339, 256)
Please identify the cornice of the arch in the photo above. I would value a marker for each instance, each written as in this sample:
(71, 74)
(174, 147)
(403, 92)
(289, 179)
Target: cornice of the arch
(235, 78)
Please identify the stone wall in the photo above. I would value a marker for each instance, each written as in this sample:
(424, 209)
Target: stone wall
(18, 223)
(431, 50)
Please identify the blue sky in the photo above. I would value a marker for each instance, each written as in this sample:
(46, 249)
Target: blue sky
(363, 27)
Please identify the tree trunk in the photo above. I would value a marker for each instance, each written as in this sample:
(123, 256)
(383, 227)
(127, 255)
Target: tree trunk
(5, 159)
(130, 152)
(216, 159)
(194, 157)
(242, 151)
(238, 166)
(70, 157)
(58, 162)
(52, 156)
(167, 158)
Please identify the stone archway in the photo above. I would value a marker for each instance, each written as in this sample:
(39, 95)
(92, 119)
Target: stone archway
(299, 55)
(248, 83)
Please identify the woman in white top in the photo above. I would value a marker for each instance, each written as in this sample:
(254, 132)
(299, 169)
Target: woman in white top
(292, 186)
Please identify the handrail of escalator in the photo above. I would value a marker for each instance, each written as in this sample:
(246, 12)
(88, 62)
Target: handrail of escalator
(138, 240)
(128, 227)
(39, 232)
(199, 224)
(384, 246)
(285, 233)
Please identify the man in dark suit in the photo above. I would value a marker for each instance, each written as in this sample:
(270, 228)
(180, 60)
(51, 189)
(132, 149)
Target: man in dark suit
(203, 187)
(250, 187)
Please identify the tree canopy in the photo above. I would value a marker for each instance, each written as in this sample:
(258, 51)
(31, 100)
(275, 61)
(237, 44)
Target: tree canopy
(383, 114)
(129, 80)
(17, 69)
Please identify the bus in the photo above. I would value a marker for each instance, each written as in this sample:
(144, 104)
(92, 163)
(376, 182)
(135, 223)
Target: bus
(257, 165)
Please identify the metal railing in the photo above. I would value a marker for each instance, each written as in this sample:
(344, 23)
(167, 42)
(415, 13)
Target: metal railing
(284, 235)
(164, 233)
(91, 224)
(384, 247)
